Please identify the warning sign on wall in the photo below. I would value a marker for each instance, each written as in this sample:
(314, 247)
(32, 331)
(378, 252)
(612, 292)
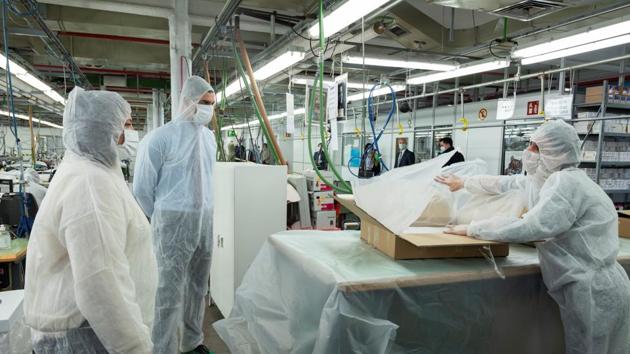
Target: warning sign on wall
(532, 108)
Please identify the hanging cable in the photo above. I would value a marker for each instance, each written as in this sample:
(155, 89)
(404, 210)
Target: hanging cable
(372, 119)
(25, 224)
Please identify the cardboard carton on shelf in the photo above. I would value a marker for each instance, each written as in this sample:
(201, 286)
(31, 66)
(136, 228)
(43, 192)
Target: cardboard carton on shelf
(324, 220)
(321, 201)
(624, 223)
(430, 243)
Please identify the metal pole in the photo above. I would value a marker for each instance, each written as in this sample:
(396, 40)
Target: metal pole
(436, 87)
(561, 79)
(273, 27)
(600, 138)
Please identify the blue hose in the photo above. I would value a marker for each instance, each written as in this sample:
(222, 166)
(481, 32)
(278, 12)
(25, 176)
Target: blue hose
(372, 120)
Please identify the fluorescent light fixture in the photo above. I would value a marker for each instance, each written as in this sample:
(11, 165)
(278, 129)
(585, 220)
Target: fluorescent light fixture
(31, 80)
(464, 70)
(606, 43)
(398, 63)
(578, 39)
(303, 80)
(345, 15)
(25, 117)
(278, 64)
(232, 89)
(266, 71)
(378, 92)
(271, 117)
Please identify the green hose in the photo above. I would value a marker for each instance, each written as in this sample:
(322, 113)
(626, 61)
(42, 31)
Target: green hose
(242, 74)
(345, 186)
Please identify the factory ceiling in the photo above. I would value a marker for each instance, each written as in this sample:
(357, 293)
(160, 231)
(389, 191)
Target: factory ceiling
(124, 45)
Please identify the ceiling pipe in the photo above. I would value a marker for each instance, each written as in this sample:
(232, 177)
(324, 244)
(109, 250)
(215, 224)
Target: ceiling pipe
(225, 14)
(147, 74)
(117, 38)
(32, 6)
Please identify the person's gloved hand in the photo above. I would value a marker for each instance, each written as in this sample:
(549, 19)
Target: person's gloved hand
(461, 230)
(453, 182)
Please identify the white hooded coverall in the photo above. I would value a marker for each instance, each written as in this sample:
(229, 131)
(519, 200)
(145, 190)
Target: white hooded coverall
(173, 185)
(91, 274)
(578, 257)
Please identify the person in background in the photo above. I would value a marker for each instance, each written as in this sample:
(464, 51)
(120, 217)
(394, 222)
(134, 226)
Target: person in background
(231, 151)
(266, 155)
(370, 164)
(405, 157)
(578, 225)
(320, 159)
(173, 185)
(446, 146)
(514, 167)
(91, 274)
(34, 187)
(127, 147)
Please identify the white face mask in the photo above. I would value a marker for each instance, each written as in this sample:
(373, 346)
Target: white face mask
(128, 149)
(402, 146)
(531, 161)
(204, 113)
(442, 148)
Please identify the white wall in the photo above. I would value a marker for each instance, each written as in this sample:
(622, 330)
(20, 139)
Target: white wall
(482, 143)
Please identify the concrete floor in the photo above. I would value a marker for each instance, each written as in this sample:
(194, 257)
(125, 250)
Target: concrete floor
(211, 338)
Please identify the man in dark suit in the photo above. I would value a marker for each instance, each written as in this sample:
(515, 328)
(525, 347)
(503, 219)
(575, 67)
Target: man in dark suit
(405, 157)
(446, 146)
(320, 159)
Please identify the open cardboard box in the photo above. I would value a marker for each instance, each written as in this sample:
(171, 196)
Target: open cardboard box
(432, 244)
(624, 223)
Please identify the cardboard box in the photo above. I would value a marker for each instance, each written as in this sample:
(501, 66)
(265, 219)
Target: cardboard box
(324, 220)
(315, 184)
(321, 201)
(624, 223)
(418, 246)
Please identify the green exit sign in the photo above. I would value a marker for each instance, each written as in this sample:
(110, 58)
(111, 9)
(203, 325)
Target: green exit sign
(232, 133)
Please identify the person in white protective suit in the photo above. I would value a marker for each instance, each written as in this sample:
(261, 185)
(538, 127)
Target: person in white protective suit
(91, 275)
(578, 258)
(173, 184)
(34, 187)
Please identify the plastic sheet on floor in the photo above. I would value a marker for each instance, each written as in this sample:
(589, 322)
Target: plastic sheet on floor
(328, 292)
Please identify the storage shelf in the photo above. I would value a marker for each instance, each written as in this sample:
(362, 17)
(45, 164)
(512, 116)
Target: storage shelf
(617, 191)
(608, 106)
(612, 135)
(610, 163)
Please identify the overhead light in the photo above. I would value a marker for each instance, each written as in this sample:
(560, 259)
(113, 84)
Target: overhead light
(25, 117)
(280, 63)
(345, 15)
(271, 117)
(266, 71)
(398, 63)
(578, 39)
(232, 89)
(611, 42)
(378, 92)
(30, 80)
(304, 80)
(464, 70)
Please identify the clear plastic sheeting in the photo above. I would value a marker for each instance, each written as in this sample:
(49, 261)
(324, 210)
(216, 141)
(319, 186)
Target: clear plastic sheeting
(420, 201)
(328, 292)
(17, 340)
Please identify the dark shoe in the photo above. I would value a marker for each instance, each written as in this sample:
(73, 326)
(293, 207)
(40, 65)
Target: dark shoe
(201, 349)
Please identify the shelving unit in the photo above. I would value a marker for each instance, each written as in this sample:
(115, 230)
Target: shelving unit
(620, 195)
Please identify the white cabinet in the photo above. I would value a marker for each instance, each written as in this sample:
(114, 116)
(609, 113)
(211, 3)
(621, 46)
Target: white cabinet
(250, 205)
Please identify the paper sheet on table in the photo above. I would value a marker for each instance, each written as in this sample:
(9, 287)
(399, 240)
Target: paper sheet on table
(399, 198)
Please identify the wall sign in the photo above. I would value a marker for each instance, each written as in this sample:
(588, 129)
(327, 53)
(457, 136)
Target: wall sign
(558, 106)
(505, 108)
(532, 108)
(483, 114)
